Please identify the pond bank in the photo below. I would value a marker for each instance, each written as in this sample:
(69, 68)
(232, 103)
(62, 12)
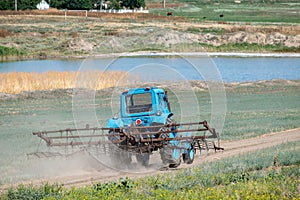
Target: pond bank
(155, 53)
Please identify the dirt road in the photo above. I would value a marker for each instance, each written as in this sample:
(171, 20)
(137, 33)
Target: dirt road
(232, 148)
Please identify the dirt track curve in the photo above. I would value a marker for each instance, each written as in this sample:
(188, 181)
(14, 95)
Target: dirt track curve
(232, 148)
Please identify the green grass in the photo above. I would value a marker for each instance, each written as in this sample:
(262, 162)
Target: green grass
(252, 110)
(250, 176)
(254, 47)
(246, 47)
(247, 11)
(233, 47)
(255, 110)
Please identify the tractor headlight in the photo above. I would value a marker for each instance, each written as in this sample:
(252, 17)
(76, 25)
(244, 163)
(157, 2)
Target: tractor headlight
(138, 122)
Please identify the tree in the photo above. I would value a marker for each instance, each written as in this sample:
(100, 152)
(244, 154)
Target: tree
(7, 5)
(59, 4)
(27, 4)
(133, 3)
(78, 4)
(114, 5)
(140, 3)
(22, 4)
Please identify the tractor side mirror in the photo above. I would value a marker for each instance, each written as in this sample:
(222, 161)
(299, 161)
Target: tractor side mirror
(165, 98)
(116, 116)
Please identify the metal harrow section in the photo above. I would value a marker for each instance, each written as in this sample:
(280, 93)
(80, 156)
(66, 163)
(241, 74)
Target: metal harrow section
(138, 139)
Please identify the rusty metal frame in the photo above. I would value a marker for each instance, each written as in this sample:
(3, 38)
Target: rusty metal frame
(131, 135)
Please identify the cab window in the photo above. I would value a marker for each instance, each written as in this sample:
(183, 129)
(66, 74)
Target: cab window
(136, 103)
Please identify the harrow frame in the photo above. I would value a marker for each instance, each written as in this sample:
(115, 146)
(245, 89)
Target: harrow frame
(134, 139)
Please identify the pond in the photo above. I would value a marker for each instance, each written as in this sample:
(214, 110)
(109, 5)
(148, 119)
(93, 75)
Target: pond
(231, 69)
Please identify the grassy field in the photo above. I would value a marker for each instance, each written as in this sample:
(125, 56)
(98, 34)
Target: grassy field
(36, 34)
(282, 11)
(253, 110)
(251, 176)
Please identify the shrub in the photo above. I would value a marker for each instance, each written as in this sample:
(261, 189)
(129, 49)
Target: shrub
(10, 51)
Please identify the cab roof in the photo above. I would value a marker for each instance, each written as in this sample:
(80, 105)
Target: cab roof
(143, 90)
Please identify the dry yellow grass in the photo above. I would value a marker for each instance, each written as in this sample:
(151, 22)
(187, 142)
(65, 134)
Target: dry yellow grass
(16, 82)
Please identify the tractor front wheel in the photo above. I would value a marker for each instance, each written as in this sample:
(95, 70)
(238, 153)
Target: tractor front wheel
(188, 157)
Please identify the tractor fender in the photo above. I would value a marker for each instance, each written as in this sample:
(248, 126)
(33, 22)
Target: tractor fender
(187, 144)
(162, 119)
(189, 150)
(114, 123)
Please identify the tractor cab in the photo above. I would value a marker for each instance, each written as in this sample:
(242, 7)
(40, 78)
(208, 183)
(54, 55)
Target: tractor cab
(142, 107)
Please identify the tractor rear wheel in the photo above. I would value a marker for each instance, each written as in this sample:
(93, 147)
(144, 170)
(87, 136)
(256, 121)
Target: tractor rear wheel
(120, 158)
(143, 159)
(170, 156)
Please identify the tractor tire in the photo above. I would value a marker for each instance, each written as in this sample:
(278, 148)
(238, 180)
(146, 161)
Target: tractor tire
(113, 138)
(188, 158)
(119, 158)
(143, 159)
(170, 156)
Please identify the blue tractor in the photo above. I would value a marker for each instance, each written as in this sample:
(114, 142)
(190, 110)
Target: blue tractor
(146, 125)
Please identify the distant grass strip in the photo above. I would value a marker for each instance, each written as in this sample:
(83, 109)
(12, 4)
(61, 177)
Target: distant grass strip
(10, 51)
(17, 82)
(271, 173)
(246, 47)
